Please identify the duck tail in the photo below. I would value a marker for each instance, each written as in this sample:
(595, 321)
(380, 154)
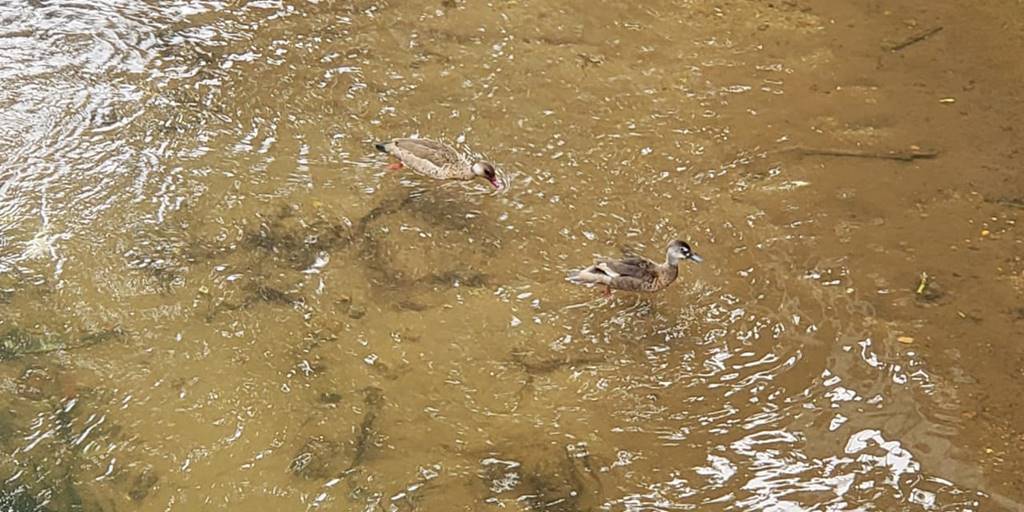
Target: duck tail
(381, 146)
(588, 276)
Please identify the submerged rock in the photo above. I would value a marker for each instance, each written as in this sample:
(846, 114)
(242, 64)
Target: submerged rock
(356, 311)
(143, 484)
(330, 397)
(319, 458)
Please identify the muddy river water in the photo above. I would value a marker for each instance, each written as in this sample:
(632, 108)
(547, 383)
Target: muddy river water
(214, 294)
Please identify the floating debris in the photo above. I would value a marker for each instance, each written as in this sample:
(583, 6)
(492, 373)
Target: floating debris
(927, 290)
(922, 284)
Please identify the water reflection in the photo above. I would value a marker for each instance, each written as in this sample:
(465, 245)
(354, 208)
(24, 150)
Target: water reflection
(215, 296)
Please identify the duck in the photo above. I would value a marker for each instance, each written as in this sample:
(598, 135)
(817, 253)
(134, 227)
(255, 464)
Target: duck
(437, 160)
(636, 273)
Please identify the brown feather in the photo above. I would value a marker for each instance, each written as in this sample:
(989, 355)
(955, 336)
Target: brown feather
(437, 153)
(631, 267)
(430, 158)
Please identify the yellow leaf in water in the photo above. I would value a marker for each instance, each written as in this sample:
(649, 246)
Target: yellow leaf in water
(905, 339)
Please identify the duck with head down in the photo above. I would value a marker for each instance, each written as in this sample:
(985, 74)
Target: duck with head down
(436, 160)
(636, 273)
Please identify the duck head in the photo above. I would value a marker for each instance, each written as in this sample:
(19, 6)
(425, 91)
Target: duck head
(486, 171)
(679, 250)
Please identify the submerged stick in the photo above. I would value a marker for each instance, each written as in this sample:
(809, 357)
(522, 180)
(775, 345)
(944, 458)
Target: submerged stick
(16, 343)
(903, 156)
(1013, 202)
(914, 39)
(550, 365)
(373, 400)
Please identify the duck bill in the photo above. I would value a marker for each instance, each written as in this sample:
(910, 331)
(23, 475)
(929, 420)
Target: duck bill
(495, 183)
(696, 258)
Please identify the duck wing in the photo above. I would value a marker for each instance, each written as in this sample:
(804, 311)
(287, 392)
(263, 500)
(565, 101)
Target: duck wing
(634, 266)
(425, 149)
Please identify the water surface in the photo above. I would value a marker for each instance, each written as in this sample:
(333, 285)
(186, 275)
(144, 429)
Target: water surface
(217, 297)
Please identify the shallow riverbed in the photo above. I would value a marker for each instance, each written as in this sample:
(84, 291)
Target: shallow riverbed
(214, 295)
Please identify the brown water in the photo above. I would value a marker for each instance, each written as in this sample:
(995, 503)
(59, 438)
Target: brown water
(216, 297)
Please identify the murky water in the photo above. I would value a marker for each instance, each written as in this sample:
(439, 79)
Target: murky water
(215, 296)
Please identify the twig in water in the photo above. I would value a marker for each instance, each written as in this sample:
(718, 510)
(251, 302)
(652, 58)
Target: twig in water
(16, 343)
(914, 39)
(550, 365)
(373, 400)
(903, 156)
(1012, 202)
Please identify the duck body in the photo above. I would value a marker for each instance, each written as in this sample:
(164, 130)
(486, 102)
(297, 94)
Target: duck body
(437, 160)
(635, 273)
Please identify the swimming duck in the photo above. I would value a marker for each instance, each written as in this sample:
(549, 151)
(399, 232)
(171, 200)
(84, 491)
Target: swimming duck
(635, 273)
(436, 160)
